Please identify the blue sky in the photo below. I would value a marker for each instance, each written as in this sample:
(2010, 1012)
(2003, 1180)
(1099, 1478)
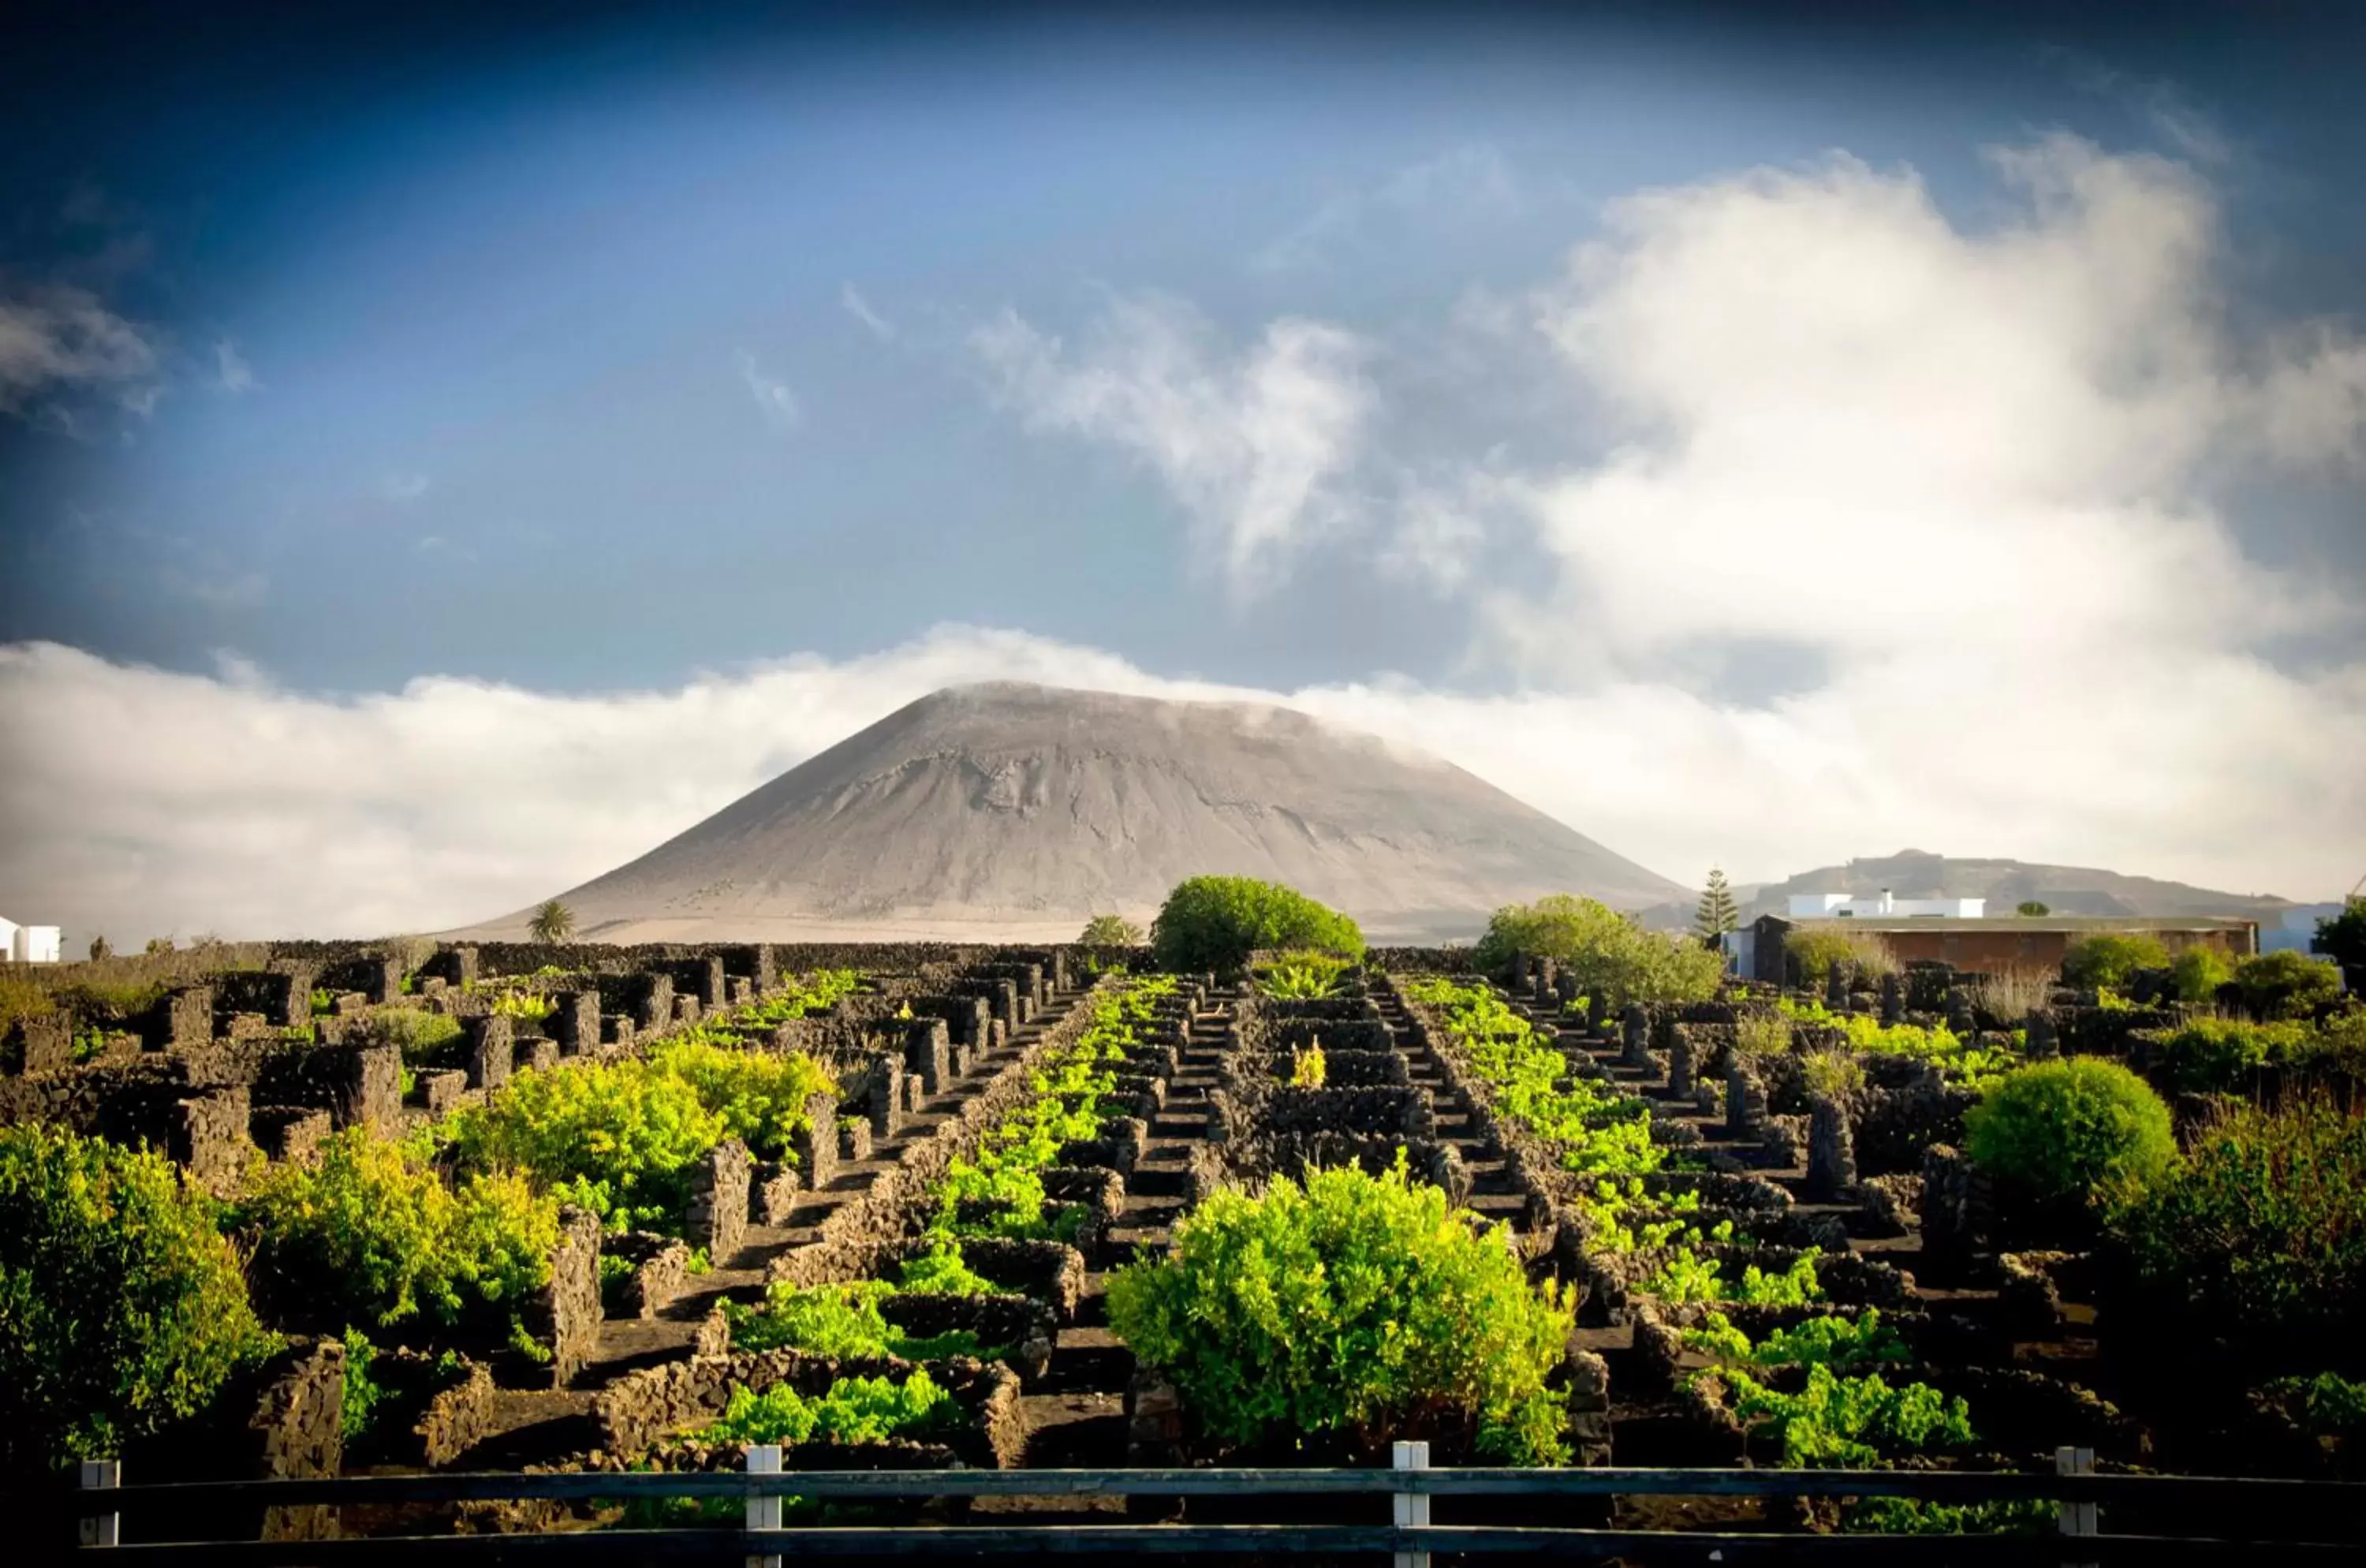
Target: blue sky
(592, 362)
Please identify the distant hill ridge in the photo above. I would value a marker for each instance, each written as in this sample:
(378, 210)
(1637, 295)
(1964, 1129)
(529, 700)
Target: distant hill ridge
(1008, 811)
(2005, 883)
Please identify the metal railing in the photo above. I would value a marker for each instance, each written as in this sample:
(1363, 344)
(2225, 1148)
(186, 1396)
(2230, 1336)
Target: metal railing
(2078, 1493)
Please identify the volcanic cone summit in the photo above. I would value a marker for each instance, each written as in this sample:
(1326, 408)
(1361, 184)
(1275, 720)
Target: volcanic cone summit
(1003, 811)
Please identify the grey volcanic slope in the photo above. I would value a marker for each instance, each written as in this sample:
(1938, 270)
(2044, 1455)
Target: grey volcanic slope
(1004, 807)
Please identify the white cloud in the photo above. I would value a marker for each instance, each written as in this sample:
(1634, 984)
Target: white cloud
(1254, 444)
(145, 801)
(232, 372)
(63, 339)
(772, 396)
(1468, 181)
(860, 309)
(2160, 103)
(1960, 468)
(399, 487)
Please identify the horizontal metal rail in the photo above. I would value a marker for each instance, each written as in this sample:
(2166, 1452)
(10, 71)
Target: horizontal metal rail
(105, 1503)
(1932, 1486)
(927, 1541)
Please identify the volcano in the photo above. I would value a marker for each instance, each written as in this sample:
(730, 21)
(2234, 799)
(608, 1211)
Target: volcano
(1002, 811)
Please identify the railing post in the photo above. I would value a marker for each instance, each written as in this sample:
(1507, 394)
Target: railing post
(2075, 1519)
(764, 1513)
(1411, 1507)
(101, 1475)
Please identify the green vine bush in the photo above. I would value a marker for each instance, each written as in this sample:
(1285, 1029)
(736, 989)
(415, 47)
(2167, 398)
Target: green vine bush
(1817, 950)
(839, 1320)
(363, 1392)
(800, 997)
(122, 1307)
(374, 1234)
(1842, 1344)
(759, 1095)
(2199, 971)
(1613, 1216)
(1215, 922)
(2286, 984)
(1610, 954)
(853, 1410)
(1302, 976)
(1600, 1130)
(1688, 1276)
(2255, 1244)
(2109, 959)
(423, 1037)
(1355, 1306)
(943, 1271)
(619, 1138)
(1837, 1421)
(1006, 1174)
(2223, 1055)
(1846, 1416)
(2059, 1136)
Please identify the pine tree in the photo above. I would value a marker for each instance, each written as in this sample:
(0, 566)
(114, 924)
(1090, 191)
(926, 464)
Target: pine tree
(1717, 914)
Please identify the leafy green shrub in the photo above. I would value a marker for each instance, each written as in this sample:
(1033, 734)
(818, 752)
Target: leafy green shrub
(801, 997)
(839, 1320)
(2220, 1056)
(422, 1035)
(2286, 984)
(759, 1095)
(1614, 1213)
(1762, 1035)
(1688, 1276)
(1610, 954)
(1352, 1304)
(528, 1004)
(1302, 976)
(363, 1392)
(372, 1234)
(2326, 1405)
(1851, 1422)
(943, 1271)
(2110, 958)
(1832, 1073)
(1839, 1343)
(122, 1307)
(2257, 1240)
(1006, 1174)
(1601, 1129)
(1111, 930)
(620, 1138)
(2056, 1133)
(2199, 971)
(1215, 922)
(854, 1410)
(1818, 950)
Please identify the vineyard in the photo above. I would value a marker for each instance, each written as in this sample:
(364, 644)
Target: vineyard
(1558, 1202)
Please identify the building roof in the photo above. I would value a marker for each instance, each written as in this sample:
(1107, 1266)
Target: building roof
(2083, 925)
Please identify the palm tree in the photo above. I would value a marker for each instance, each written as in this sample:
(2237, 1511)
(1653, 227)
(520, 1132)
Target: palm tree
(553, 923)
(1111, 930)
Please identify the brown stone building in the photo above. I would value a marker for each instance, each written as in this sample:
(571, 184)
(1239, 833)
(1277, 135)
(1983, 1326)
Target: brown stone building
(1989, 944)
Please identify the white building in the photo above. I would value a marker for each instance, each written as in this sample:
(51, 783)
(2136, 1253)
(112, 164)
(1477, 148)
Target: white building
(1841, 906)
(27, 944)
